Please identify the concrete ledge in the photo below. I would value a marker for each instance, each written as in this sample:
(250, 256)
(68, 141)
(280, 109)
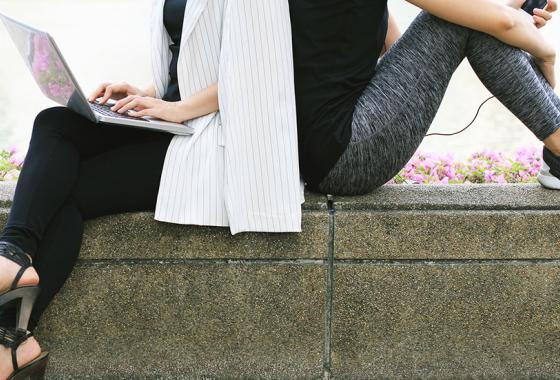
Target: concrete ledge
(406, 282)
(156, 240)
(426, 235)
(139, 236)
(449, 222)
(454, 197)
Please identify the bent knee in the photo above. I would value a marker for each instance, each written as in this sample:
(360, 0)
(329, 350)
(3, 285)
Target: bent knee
(441, 28)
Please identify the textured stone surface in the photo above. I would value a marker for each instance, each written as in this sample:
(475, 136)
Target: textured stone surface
(187, 321)
(420, 197)
(429, 282)
(314, 201)
(446, 322)
(138, 235)
(447, 234)
(6, 193)
(3, 217)
(455, 197)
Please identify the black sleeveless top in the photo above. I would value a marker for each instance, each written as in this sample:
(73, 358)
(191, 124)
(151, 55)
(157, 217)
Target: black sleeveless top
(336, 46)
(173, 15)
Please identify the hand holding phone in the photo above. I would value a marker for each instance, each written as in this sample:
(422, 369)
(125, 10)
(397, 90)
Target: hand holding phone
(530, 5)
(539, 10)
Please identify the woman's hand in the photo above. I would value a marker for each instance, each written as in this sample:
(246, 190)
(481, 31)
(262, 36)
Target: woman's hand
(202, 103)
(540, 16)
(148, 106)
(547, 68)
(546, 61)
(115, 91)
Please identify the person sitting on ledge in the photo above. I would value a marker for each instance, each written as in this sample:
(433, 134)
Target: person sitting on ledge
(245, 137)
(359, 119)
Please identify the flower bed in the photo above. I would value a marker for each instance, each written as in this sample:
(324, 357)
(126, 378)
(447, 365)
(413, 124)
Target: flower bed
(11, 161)
(480, 167)
(424, 168)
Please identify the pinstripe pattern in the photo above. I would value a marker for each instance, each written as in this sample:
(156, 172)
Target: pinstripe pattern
(240, 168)
(160, 39)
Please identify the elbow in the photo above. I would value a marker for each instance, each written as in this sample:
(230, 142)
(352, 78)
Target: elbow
(505, 21)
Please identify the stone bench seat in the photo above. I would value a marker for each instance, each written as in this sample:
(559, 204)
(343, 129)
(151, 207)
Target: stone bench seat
(406, 282)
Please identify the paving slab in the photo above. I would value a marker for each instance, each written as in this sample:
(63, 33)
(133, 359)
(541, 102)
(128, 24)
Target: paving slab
(183, 321)
(467, 321)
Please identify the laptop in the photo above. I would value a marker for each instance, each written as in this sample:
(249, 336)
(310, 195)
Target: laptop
(56, 81)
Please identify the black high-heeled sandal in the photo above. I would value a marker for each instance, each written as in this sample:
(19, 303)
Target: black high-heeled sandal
(35, 369)
(26, 295)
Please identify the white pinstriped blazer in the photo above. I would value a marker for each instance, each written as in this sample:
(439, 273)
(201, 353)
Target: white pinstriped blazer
(240, 168)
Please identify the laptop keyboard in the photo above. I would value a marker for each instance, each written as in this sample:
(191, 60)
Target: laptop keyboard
(104, 109)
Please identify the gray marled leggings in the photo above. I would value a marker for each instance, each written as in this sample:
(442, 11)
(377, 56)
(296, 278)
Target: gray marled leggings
(397, 108)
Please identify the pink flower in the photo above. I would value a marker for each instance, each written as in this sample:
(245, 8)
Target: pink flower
(417, 178)
(450, 173)
(16, 159)
(489, 175)
(13, 149)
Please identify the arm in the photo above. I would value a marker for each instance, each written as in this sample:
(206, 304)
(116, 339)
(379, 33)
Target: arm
(508, 24)
(492, 17)
(200, 104)
(393, 33)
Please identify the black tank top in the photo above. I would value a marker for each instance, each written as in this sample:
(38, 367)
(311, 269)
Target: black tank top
(173, 15)
(336, 46)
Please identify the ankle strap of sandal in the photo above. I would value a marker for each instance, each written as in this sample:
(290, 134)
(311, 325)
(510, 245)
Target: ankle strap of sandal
(16, 254)
(12, 338)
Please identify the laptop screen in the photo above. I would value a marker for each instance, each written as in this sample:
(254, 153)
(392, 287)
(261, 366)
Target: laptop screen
(43, 61)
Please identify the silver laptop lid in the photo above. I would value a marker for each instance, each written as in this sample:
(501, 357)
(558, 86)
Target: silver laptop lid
(48, 67)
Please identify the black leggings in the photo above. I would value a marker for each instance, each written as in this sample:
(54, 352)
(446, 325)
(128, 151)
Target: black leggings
(76, 170)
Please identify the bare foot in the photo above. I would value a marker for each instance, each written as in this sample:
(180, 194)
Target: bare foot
(8, 271)
(26, 352)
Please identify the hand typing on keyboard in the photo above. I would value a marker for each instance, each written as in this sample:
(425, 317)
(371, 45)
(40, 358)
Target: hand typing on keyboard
(136, 103)
(107, 91)
(105, 109)
(140, 106)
